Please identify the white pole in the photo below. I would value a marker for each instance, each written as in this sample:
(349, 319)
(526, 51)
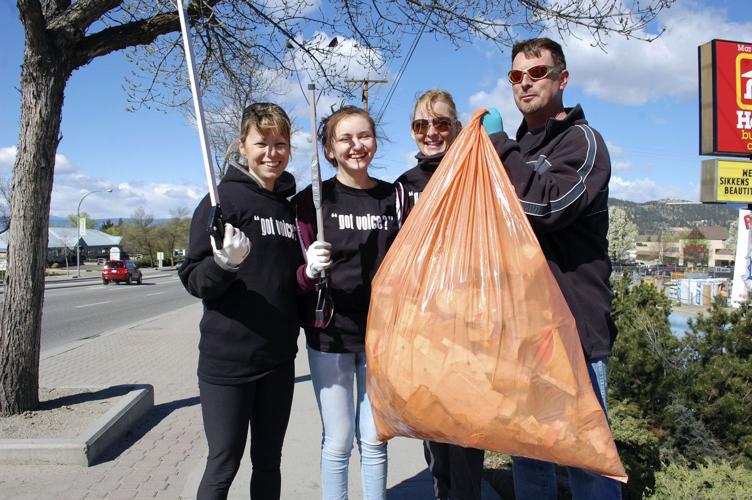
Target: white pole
(215, 226)
(742, 278)
(315, 168)
(198, 107)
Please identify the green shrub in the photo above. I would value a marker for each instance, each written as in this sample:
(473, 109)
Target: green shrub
(706, 482)
(637, 445)
(644, 365)
(144, 262)
(718, 376)
(688, 441)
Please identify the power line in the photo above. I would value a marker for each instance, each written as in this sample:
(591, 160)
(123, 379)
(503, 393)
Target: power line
(401, 71)
(365, 83)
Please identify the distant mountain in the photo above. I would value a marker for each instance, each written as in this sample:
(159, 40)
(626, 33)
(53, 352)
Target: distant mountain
(651, 217)
(56, 221)
(660, 215)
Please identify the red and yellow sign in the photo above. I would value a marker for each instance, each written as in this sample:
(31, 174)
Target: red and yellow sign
(726, 98)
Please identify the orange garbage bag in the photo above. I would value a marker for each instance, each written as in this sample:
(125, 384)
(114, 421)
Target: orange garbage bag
(469, 339)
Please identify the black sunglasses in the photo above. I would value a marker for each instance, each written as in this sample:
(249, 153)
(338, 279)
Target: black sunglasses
(441, 124)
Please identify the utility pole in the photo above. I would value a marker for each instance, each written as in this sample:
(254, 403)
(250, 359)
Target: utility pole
(365, 84)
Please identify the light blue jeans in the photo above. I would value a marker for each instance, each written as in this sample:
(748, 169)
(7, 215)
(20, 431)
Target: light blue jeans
(535, 479)
(344, 418)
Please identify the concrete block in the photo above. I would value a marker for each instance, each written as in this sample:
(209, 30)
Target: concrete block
(91, 443)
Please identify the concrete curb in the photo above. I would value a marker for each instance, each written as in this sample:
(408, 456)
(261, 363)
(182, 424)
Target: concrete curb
(91, 443)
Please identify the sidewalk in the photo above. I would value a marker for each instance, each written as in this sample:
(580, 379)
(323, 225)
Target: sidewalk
(164, 456)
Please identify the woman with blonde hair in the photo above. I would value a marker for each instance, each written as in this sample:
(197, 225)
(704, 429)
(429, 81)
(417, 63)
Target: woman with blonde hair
(249, 328)
(457, 471)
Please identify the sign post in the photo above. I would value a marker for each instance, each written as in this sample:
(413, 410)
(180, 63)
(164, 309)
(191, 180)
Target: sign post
(726, 130)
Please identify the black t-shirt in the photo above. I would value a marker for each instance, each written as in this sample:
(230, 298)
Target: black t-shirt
(360, 224)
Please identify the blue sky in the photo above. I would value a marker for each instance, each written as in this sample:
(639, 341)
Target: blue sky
(642, 97)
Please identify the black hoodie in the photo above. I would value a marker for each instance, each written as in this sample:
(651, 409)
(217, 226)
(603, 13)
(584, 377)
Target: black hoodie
(250, 321)
(415, 179)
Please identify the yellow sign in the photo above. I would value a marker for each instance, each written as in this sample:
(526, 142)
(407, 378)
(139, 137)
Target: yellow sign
(726, 181)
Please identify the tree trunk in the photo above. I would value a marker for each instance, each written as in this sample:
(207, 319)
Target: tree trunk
(43, 79)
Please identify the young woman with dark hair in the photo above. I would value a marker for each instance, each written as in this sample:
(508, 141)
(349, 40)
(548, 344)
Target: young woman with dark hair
(361, 218)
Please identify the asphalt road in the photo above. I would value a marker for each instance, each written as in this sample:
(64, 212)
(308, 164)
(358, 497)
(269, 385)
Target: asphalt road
(75, 310)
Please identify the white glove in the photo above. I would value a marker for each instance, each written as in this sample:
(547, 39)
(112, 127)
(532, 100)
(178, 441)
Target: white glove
(235, 248)
(319, 258)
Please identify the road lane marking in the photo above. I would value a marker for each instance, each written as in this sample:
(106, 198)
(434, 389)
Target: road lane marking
(94, 304)
(150, 294)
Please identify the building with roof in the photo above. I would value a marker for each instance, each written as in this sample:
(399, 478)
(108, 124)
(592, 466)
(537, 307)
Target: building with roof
(701, 246)
(61, 243)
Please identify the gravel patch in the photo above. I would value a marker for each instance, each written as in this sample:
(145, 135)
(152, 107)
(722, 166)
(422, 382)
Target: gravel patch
(62, 413)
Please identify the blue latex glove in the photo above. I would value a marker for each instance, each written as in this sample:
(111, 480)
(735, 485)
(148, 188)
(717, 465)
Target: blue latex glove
(492, 122)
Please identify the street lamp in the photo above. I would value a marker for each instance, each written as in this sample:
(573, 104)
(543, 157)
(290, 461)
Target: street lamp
(78, 221)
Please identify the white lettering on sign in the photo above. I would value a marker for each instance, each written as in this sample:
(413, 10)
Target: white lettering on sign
(744, 48)
(744, 119)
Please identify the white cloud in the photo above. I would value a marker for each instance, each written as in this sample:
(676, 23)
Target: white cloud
(7, 158)
(614, 150)
(156, 198)
(348, 60)
(646, 189)
(500, 98)
(633, 72)
(63, 165)
(621, 166)
(630, 71)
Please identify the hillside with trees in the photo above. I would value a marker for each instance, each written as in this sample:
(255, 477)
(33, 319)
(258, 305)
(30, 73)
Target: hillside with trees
(656, 216)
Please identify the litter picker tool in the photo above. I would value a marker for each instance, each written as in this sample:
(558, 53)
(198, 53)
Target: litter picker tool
(316, 191)
(216, 226)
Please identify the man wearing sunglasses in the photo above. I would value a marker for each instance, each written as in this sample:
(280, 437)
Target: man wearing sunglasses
(560, 169)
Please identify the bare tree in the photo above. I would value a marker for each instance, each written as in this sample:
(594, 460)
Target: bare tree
(139, 235)
(174, 233)
(62, 36)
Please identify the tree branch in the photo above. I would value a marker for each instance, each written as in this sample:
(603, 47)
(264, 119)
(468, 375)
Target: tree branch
(141, 32)
(30, 12)
(82, 14)
(51, 8)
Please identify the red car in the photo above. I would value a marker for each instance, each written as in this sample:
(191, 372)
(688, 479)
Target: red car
(124, 271)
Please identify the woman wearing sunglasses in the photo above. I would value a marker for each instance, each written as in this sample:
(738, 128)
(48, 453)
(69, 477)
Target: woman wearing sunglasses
(456, 471)
(434, 128)
(361, 218)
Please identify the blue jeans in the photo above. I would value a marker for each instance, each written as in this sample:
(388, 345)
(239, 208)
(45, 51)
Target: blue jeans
(535, 479)
(344, 418)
